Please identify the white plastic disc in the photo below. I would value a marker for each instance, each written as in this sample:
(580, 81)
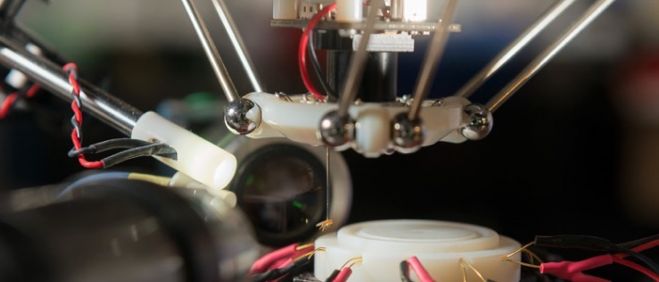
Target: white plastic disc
(439, 246)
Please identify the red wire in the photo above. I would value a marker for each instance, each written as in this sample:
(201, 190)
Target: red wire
(263, 263)
(278, 258)
(302, 51)
(620, 259)
(646, 246)
(573, 270)
(7, 103)
(10, 100)
(33, 90)
(343, 275)
(72, 69)
(420, 271)
(639, 268)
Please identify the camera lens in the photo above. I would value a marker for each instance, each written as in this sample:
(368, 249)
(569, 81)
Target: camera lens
(281, 189)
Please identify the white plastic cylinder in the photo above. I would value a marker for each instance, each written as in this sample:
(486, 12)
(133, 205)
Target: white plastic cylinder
(181, 180)
(284, 9)
(440, 246)
(349, 10)
(372, 123)
(196, 157)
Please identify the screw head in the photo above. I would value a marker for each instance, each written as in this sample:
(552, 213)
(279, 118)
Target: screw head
(407, 134)
(480, 122)
(242, 116)
(337, 131)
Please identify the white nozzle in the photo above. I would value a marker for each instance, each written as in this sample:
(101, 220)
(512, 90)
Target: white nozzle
(196, 157)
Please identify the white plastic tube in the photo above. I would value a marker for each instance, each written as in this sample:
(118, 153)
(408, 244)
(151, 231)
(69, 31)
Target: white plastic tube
(349, 10)
(284, 9)
(196, 157)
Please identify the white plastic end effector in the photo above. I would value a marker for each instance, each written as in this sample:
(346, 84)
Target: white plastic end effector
(196, 157)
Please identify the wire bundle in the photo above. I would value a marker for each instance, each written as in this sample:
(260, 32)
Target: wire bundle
(343, 274)
(133, 148)
(77, 119)
(616, 254)
(293, 259)
(282, 262)
(306, 46)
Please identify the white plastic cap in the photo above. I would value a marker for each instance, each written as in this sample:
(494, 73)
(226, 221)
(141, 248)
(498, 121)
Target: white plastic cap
(196, 157)
(284, 9)
(349, 10)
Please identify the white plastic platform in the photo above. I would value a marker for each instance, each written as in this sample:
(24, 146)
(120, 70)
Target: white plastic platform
(438, 245)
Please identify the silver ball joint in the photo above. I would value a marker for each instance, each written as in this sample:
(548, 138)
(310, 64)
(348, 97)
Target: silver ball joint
(242, 116)
(407, 134)
(480, 122)
(337, 131)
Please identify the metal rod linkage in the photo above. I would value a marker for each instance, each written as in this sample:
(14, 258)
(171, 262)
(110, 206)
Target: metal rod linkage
(98, 103)
(433, 56)
(513, 49)
(358, 61)
(328, 183)
(238, 44)
(539, 62)
(210, 49)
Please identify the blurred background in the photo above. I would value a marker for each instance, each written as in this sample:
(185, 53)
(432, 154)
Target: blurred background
(575, 151)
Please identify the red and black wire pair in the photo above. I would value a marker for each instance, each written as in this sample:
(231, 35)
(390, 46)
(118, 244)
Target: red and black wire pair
(617, 254)
(10, 100)
(132, 148)
(282, 262)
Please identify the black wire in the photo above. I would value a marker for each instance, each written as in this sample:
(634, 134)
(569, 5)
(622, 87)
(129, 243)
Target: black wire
(298, 267)
(10, 9)
(107, 145)
(134, 149)
(281, 272)
(405, 272)
(317, 69)
(593, 243)
(584, 242)
(534, 272)
(159, 149)
(632, 244)
(644, 259)
(331, 277)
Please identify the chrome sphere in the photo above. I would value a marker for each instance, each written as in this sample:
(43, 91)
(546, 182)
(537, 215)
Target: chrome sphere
(242, 116)
(337, 131)
(407, 135)
(480, 122)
